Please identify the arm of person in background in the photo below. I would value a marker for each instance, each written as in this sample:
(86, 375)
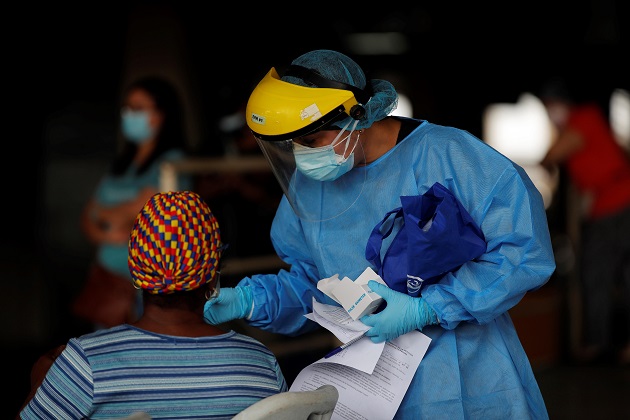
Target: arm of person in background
(39, 370)
(112, 224)
(564, 145)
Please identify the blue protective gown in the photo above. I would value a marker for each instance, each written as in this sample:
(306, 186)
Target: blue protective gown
(475, 366)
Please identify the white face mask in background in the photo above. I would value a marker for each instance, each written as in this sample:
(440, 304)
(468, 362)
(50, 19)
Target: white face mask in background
(135, 126)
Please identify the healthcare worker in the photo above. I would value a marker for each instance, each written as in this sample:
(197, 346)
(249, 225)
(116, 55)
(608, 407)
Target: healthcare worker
(343, 162)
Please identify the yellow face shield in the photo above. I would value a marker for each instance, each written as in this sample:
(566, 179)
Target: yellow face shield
(278, 110)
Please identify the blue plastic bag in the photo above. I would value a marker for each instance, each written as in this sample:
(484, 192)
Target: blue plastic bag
(437, 236)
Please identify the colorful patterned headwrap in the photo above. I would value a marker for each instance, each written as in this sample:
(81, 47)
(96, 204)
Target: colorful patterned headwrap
(175, 243)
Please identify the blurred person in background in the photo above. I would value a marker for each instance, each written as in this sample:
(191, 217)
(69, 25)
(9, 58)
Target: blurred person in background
(343, 162)
(599, 169)
(169, 363)
(151, 124)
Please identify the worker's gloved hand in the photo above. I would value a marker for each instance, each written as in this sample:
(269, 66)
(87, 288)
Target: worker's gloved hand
(402, 314)
(232, 303)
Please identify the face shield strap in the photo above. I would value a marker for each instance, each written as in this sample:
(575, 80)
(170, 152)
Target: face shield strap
(316, 79)
(338, 139)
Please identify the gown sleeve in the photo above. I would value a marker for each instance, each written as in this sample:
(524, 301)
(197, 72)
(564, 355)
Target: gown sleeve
(518, 257)
(281, 300)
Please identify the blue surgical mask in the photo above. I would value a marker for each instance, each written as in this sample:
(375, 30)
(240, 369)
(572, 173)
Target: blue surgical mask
(322, 163)
(135, 126)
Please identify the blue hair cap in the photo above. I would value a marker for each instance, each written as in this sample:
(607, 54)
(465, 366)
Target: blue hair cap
(338, 67)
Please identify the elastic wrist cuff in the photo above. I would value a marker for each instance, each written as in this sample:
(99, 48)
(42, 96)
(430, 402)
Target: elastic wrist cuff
(249, 300)
(251, 312)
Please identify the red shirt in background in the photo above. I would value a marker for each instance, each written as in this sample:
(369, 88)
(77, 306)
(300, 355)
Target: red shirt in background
(600, 168)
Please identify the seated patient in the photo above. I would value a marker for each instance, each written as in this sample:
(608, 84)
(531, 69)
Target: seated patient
(170, 363)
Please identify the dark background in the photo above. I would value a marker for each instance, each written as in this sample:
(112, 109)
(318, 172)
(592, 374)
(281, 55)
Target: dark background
(65, 66)
(461, 56)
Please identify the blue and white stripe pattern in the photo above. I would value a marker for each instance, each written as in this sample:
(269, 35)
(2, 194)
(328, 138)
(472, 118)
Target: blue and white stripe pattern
(112, 373)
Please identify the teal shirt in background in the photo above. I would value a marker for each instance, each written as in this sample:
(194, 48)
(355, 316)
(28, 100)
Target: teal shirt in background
(113, 190)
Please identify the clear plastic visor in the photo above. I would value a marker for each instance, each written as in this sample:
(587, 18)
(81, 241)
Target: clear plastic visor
(313, 199)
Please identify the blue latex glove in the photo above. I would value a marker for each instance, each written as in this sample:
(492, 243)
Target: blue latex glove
(232, 303)
(402, 314)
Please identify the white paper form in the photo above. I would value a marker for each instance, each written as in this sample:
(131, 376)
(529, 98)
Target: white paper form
(362, 355)
(365, 396)
(336, 320)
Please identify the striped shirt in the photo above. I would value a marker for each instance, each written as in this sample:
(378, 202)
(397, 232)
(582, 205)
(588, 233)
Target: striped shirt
(114, 372)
